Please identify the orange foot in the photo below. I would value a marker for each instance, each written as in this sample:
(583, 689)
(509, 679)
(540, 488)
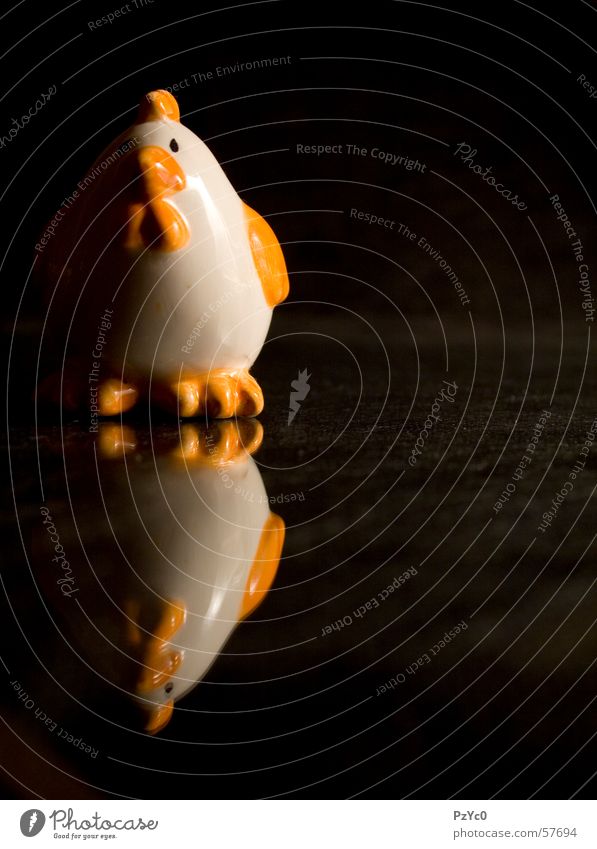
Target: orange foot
(218, 394)
(115, 397)
(220, 442)
(196, 443)
(73, 391)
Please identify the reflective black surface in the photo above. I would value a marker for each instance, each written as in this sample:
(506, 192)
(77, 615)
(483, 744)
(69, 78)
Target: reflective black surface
(296, 702)
(437, 479)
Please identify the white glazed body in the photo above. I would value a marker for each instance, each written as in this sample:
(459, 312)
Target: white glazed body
(158, 531)
(185, 311)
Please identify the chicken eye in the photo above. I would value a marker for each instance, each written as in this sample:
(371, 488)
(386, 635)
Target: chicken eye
(168, 688)
(173, 145)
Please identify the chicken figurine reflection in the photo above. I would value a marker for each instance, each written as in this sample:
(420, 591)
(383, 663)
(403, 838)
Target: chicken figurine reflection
(160, 280)
(176, 548)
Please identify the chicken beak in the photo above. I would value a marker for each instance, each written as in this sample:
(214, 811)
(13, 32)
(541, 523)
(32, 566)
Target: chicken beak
(158, 717)
(153, 221)
(160, 174)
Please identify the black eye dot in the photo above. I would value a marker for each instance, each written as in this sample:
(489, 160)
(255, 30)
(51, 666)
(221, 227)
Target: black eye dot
(169, 687)
(173, 145)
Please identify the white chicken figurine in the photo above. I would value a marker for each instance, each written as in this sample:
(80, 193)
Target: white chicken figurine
(173, 546)
(160, 280)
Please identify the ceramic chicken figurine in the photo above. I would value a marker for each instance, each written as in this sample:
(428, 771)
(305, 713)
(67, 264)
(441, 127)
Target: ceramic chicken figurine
(176, 547)
(160, 280)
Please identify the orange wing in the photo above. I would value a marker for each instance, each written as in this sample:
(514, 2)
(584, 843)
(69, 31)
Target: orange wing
(268, 258)
(265, 565)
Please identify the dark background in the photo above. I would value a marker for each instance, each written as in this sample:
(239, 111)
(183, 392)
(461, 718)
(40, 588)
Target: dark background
(507, 710)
